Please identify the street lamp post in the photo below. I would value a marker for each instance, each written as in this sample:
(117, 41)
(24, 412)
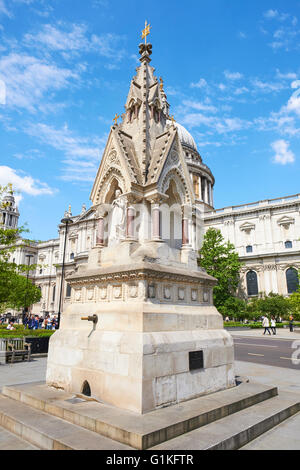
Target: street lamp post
(25, 300)
(66, 221)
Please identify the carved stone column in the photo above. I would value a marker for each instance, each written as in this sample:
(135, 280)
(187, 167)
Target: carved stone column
(130, 223)
(156, 221)
(200, 187)
(100, 232)
(185, 227)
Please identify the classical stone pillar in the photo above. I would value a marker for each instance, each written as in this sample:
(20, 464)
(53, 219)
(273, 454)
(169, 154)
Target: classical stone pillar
(207, 192)
(200, 187)
(155, 222)
(130, 223)
(100, 232)
(185, 227)
(204, 182)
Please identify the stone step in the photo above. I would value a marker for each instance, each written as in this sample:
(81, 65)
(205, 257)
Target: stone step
(285, 436)
(135, 430)
(235, 431)
(9, 441)
(49, 432)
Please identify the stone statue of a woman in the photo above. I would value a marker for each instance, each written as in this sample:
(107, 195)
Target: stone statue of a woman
(117, 221)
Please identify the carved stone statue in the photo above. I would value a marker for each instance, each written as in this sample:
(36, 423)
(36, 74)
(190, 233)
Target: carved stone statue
(117, 219)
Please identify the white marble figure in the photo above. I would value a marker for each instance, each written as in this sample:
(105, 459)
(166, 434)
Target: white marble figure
(117, 220)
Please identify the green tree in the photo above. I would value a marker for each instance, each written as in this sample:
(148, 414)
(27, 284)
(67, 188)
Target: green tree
(294, 302)
(274, 305)
(12, 283)
(234, 308)
(22, 292)
(221, 261)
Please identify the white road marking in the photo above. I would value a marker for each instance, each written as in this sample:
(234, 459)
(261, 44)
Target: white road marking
(252, 354)
(260, 345)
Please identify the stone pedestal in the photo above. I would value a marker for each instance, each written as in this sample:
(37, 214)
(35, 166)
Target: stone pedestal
(139, 356)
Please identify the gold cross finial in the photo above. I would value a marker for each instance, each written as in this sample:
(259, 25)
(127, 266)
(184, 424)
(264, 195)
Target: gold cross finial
(146, 31)
(116, 118)
(173, 120)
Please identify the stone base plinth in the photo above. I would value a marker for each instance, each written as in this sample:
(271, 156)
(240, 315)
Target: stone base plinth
(158, 340)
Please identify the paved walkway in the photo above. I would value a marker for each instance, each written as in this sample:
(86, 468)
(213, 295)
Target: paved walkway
(281, 333)
(23, 372)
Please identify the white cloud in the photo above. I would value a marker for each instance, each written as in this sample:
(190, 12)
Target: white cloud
(271, 14)
(220, 125)
(241, 90)
(232, 75)
(200, 84)
(82, 154)
(286, 76)
(221, 86)
(23, 183)
(29, 80)
(282, 153)
(267, 87)
(200, 106)
(4, 10)
(72, 39)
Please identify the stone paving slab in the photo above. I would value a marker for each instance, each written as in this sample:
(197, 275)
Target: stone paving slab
(140, 431)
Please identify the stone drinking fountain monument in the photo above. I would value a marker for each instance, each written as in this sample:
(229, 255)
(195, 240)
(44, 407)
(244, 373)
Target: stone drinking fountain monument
(141, 332)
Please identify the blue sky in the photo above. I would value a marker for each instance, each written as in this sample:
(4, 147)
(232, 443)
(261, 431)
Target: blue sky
(231, 70)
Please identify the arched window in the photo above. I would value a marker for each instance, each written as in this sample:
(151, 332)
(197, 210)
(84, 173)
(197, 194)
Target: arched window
(249, 249)
(72, 256)
(252, 285)
(68, 292)
(292, 280)
(288, 244)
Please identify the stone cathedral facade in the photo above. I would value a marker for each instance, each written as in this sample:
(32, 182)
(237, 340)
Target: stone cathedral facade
(266, 233)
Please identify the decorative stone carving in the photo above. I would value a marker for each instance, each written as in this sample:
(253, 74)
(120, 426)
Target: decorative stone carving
(181, 293)
(151, 291)
(77, 295)
(117, 292)
(133, 290)
(103, 293)
(90, 294)
(167, 292)
(194, 295)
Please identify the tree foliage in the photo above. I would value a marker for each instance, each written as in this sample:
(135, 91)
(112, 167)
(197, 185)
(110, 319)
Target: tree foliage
(14, 289)
(221, 261)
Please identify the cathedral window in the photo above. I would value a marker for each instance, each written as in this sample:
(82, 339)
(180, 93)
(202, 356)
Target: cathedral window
(252, 285)
(292, 280)
(72, 256)
(249, 249)
(68, 291)
(288, 244)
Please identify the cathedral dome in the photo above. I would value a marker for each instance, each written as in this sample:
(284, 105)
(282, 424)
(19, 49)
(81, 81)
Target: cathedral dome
(185, 137)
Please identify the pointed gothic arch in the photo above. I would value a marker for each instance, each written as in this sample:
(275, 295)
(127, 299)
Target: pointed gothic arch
(110, 178)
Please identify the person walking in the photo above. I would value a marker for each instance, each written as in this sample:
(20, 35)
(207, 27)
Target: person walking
(273, 325)
(291, 324)
(266, 325)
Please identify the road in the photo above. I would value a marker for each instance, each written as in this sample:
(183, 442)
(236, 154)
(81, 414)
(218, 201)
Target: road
(268, 350)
